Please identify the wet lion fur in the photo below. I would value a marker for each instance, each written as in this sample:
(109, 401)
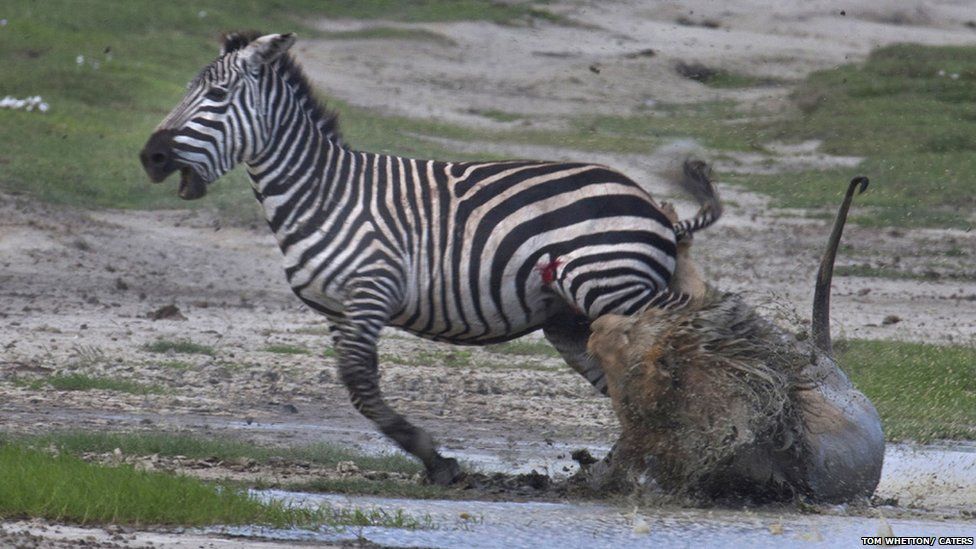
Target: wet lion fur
(714, 400)
(695, 388)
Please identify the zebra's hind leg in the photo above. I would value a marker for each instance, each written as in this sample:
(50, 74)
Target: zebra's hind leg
(358, 368)
(568, 333)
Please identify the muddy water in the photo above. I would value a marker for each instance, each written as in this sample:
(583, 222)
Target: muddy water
(941, 480)
(931, 477)
(505, 524)
(929, 482)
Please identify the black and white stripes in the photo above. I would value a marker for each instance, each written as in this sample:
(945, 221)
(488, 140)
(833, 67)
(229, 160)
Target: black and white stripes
(464, 252)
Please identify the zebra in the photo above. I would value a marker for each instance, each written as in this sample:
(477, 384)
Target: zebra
(469, 253)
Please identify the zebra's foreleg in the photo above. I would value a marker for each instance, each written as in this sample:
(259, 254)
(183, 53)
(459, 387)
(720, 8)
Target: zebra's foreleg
(569, 333)
(358, 369)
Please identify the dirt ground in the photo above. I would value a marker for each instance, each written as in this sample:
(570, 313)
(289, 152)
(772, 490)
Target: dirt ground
(76, 286)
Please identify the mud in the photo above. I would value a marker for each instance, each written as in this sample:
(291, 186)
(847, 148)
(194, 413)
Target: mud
(76, 287)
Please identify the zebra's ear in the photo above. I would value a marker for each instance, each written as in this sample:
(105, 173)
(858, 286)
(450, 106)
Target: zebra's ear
(237, 40)
(267, 48)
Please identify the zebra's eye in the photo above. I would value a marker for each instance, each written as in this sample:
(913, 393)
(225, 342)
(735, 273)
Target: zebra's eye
(216, 94)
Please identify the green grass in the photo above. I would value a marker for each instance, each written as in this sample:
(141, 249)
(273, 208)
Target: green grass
(524, 347)
(176, 365)
(733, 80)
(707, 123)
(35, 484)
(137, 57)
(496, 115)
(81, 382)
(883, 272)
(367, 487)
(915, 128)
(466, 358)
(313, 330)
(923, 392)
(221, 448)
(287, 349)
(181, 346)
(390, 33)
(436, 10)
(721, 78)
(453, 358)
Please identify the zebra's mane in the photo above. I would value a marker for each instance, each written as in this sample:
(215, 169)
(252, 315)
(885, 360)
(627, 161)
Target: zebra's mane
(327, 120)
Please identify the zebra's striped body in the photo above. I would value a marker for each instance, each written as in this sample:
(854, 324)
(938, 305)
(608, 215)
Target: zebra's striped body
(482, 251)
(463, 252)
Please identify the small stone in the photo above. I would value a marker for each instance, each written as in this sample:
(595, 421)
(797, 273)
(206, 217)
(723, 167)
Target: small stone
(347, 468)
(166, 312)
(891, 319)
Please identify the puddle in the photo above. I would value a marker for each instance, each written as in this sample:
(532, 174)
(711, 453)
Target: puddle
(929, 482)
(932, 478)
(478, 524)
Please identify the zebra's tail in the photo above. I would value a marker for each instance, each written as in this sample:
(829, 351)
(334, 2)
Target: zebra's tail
(695, 179)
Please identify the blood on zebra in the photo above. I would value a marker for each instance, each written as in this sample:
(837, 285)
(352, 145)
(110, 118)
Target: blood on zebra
(548, 271)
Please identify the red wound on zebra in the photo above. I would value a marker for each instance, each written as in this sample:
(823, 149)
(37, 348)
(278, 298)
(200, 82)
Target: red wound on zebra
(548, 271)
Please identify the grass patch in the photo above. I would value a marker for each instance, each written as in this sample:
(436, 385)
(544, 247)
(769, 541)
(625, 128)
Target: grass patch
(720, 78)
(287, 349)
(81, 382)
(466, 359)
(734, 80)
(391, 33)
(365, 487)
(223, 449)
(110, 72)
(883, 272)
(376, 516)
(707, 123)
(923, 392)
(524, 347)
(455, 359)
(313, 330)
(181, 346)
(175, 365)
(505, 13)
(65, 488)
(910, 110)
(497, 116)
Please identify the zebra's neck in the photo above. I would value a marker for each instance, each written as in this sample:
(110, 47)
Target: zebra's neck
(298, 172)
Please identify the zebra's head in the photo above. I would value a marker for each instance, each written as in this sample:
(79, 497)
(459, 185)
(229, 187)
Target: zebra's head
(220, 122)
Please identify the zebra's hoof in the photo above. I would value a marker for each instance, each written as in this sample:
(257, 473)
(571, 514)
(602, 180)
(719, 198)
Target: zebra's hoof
(446, 472)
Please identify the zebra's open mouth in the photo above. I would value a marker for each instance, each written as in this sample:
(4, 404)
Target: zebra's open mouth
(192, 186)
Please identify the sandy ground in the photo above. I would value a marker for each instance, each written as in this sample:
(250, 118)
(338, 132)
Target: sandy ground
(76, 287)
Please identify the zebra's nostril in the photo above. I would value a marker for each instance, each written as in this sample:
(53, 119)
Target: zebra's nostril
(157, 158)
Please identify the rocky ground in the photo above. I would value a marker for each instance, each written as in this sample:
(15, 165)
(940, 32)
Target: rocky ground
(78, 289)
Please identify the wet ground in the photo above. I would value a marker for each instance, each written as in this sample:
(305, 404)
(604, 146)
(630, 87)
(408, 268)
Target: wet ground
(480, 524)
(940, 479)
